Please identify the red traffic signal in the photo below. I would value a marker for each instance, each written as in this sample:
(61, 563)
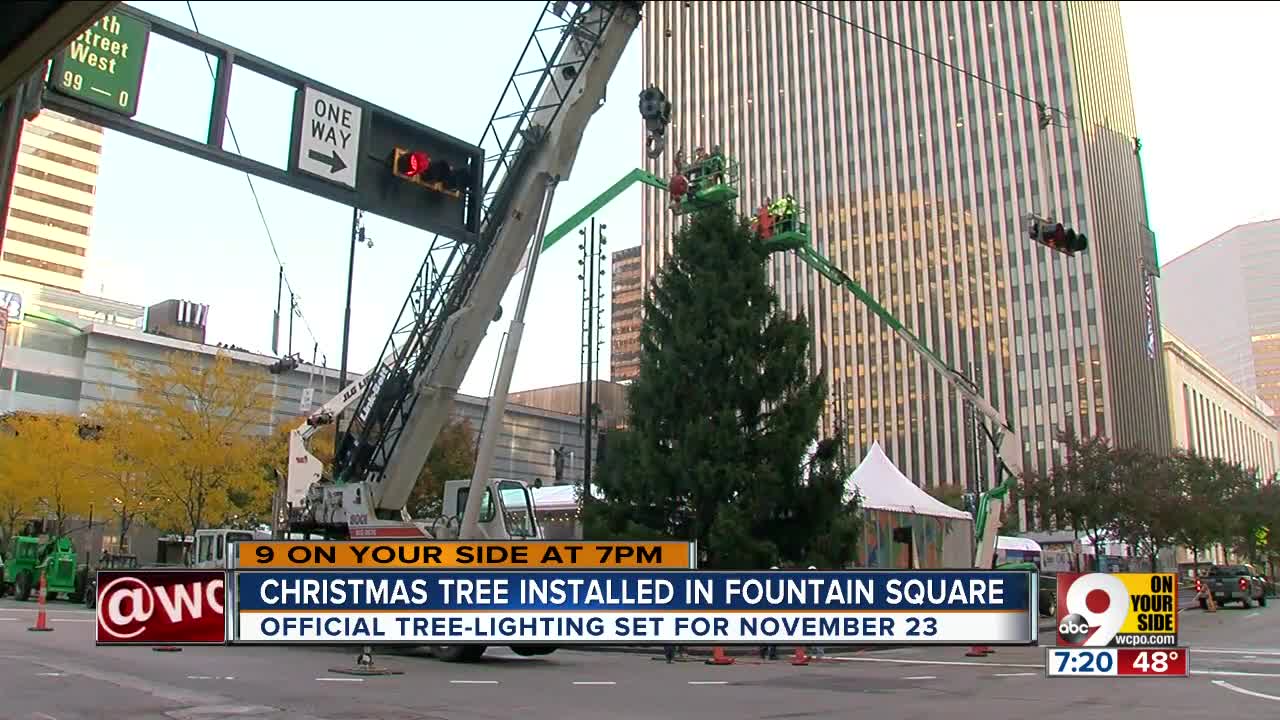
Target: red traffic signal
(1057, 237)
(434, 173)
(413, 164)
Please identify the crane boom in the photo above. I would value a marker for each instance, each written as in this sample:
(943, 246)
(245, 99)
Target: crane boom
(405, 401)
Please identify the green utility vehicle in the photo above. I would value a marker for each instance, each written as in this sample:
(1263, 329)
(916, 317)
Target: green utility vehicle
(28, 557)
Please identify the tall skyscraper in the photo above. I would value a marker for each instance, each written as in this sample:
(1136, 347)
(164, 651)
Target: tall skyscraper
(918, 179)
(625, 307)
(1223, 298)
(46, 236)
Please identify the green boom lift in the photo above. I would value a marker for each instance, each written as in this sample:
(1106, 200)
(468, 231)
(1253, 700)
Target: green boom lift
(794, 235)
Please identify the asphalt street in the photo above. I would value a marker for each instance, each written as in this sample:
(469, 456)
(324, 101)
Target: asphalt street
(62, 675)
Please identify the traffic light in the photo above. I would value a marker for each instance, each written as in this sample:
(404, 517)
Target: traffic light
(1057, 237)
(417, 166)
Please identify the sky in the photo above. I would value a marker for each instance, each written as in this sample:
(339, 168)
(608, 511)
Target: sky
(171, 226)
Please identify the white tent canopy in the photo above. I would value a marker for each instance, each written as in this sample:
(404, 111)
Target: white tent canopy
(884, 487)
(1006, 542)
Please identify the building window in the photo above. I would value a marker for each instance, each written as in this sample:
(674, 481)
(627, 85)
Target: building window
(51, 200)
(43, 264)
(51, 244)
(55, 179)
(60, 159)
(60, 137)
(48, 221)
(48, 386)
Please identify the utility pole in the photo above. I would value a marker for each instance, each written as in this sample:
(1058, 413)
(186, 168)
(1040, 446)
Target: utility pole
(293, 310)
(592, 264)
(275, 319)
(357, 236)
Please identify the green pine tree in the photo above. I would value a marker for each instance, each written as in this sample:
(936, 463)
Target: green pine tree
(722, 416)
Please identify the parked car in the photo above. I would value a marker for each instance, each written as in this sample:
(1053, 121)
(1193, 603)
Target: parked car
(1232, 583)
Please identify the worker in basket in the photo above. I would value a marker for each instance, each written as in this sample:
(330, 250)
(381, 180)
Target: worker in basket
(763, 222)
(678, 185)
(784, 211)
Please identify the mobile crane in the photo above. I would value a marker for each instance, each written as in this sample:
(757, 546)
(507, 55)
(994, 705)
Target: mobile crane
(398, 408)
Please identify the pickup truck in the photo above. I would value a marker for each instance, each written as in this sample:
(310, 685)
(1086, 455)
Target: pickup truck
(1232, 583)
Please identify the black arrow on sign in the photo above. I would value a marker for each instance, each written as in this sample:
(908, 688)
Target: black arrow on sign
(333, 161)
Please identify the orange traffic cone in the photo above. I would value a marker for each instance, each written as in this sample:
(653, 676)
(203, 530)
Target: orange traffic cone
(42, 619)
(799, 657)
(718, 657)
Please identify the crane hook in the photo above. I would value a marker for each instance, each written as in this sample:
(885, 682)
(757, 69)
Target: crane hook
(655, 109)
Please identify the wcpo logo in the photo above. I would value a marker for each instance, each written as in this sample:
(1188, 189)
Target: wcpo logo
(1117, 610)
(148, 607)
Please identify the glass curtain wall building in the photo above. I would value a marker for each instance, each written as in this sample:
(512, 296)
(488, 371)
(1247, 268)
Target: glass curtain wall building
(917, 179)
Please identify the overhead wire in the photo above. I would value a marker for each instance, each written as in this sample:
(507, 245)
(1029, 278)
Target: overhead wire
(933, 58)
(295, 308)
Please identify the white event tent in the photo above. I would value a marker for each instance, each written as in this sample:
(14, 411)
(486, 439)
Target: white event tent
(942, 536)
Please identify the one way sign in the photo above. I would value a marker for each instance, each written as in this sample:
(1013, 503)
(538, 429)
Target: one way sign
(327, 136)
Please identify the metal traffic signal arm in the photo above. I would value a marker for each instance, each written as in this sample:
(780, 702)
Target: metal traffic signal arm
(1003, 435)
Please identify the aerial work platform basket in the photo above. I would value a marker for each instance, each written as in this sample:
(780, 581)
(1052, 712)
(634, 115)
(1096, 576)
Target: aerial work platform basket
(783, 231)
(704, 183)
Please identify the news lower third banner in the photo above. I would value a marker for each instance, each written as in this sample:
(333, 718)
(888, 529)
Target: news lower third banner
(499, 607)
(461, 554)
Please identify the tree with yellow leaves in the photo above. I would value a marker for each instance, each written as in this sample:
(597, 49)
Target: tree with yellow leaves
(48, 468)
(198, 439)
(119, 483)
(17, 495)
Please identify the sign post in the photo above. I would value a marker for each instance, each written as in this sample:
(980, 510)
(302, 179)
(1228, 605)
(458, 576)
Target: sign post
(103, 65)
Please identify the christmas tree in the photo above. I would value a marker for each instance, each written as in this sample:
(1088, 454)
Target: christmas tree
(723, 415)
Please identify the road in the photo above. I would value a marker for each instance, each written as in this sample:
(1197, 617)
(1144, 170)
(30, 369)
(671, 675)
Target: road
(61, 675)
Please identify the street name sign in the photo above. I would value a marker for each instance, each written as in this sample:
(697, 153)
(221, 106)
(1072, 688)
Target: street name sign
(328, 137)
(103, 65)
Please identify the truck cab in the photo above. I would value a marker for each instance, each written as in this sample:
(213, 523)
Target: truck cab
(212, 545)
(511, 517)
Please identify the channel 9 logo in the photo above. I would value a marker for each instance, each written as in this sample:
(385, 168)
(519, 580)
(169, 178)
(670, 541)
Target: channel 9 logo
(1120, 610)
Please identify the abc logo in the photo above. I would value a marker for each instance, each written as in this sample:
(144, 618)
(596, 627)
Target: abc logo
(1092, 608)
(1074, 628)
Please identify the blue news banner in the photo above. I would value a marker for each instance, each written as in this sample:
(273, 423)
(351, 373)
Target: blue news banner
(502, 607)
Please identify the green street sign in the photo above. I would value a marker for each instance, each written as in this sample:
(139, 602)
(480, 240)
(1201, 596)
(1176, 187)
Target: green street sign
(103, 65)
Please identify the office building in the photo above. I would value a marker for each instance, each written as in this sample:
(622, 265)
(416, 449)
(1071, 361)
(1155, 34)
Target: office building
(59, 359)
(917, 181)
(46, 237)
(1223, 298)
(625, 308)
(1215, 418)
